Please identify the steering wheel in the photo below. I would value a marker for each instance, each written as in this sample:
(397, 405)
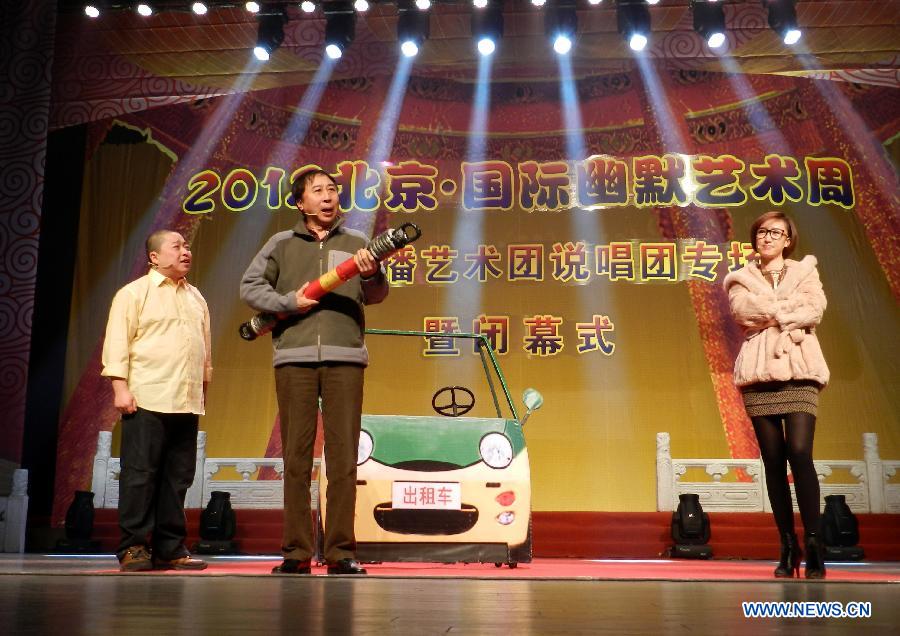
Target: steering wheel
(458, 401)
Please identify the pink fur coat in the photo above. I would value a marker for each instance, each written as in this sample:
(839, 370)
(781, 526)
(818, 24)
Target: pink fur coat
(779, 325)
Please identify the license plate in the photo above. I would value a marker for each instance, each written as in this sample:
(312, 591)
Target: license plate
(426, 495)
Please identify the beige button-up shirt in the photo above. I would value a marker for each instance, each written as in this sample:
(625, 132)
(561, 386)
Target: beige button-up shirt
(158, 340)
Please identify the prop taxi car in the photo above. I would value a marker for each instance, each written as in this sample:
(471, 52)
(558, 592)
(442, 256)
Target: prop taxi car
(445, 487)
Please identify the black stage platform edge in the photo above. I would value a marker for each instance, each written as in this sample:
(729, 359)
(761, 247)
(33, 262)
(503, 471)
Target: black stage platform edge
(586, 535)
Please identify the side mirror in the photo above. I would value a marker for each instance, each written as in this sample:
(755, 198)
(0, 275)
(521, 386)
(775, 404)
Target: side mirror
(533, 401)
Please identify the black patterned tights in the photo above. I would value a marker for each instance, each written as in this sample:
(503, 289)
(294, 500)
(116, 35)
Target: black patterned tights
(791, 442)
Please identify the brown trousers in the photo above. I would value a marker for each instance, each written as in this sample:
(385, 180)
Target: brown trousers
(298, 387)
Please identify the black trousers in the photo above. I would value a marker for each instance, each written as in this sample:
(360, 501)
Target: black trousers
(159, 453)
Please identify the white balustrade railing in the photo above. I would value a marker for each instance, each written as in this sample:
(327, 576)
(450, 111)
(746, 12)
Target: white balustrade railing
(866, 484)
(247, 492)
(13, 507)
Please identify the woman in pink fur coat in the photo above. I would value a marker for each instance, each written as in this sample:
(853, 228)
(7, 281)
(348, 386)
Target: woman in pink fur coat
(780, 370)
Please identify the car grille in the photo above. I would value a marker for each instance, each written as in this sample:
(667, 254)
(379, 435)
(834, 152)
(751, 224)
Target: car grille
(437, 522)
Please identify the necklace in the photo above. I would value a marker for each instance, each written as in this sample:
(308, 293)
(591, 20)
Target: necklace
(775, 274)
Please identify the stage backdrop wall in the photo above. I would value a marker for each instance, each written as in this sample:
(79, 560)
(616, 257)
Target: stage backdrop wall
(599, 280)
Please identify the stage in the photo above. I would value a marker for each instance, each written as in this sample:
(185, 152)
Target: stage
(56, 593)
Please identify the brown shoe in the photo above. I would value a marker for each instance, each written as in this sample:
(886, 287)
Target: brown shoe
(186, 562)
(135, 559)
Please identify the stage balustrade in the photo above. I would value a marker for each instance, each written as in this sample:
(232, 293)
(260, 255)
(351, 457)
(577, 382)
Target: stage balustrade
(739, 485)
(724, 485)
(13, 507)
(257, 482)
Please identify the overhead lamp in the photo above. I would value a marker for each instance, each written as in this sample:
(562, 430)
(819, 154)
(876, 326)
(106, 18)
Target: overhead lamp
(709, 21)
(340, 28)
(423, 5)
(539, 3)
(361, 6)
(307, 7)
(93, 9)
(270, 33)
(413, 27)
(144, 9)
(252, 7)
(487, 26)
(561, 25)
(594, 2)
(199, 8)
(479, 4)
(783, 19)
(633, 17)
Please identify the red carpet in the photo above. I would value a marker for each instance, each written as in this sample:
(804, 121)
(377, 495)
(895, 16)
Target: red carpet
(583, 535)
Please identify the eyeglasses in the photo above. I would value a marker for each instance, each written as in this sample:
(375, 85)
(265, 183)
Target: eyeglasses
(775, 233)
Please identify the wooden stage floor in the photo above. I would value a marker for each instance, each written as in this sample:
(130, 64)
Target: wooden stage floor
(41, 594)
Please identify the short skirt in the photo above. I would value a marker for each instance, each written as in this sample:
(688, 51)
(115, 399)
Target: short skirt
(779, 398)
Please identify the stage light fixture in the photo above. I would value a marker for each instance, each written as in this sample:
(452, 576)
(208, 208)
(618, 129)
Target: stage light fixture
(479, 4)
(561, 25)
(92, 10)
(413, 27)
(783, 19)
(487, 26)
(709, 21)
(652, 1)
(423, 5)
(307, 7)
(633, 18)
(270, 33)
(252, 7)
(539, 3)
(144, 9)
(199, 8)
(594, 2)
(340, 28)
(361, 6)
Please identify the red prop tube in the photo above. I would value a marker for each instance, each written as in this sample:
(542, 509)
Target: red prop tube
(331, 279)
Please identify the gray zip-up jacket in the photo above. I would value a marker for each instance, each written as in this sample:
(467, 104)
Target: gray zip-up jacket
(333, 330)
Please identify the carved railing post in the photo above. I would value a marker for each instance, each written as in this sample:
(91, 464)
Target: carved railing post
(664, 476)
(16, 514)
(101, 466)
(196, 495)
(874, 471)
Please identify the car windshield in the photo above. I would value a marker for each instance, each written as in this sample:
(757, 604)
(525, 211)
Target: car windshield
(406, 370)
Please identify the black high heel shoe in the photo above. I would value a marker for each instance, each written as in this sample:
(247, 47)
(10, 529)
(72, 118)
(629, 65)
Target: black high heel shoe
(815, 556)
(789, 565)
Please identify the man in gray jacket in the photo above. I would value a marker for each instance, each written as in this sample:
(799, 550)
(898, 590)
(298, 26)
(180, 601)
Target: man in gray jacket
(319, 352)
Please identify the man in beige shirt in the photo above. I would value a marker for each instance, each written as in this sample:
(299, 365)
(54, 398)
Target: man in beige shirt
(157, 355)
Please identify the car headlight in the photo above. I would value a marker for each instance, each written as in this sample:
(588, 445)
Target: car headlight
(364, 450)
(496, 450)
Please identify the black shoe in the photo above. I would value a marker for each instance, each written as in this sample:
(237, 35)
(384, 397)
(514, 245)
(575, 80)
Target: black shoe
(789, 565)
(346, 566)
(815, 557)
(292, 566)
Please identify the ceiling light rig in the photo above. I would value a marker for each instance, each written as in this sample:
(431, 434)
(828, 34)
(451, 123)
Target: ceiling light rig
(709, 21)
(783, 19)
(633, 18)
(270, 33)
(340, 28)
(413, 27)
(487, 26)
(561, 25)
